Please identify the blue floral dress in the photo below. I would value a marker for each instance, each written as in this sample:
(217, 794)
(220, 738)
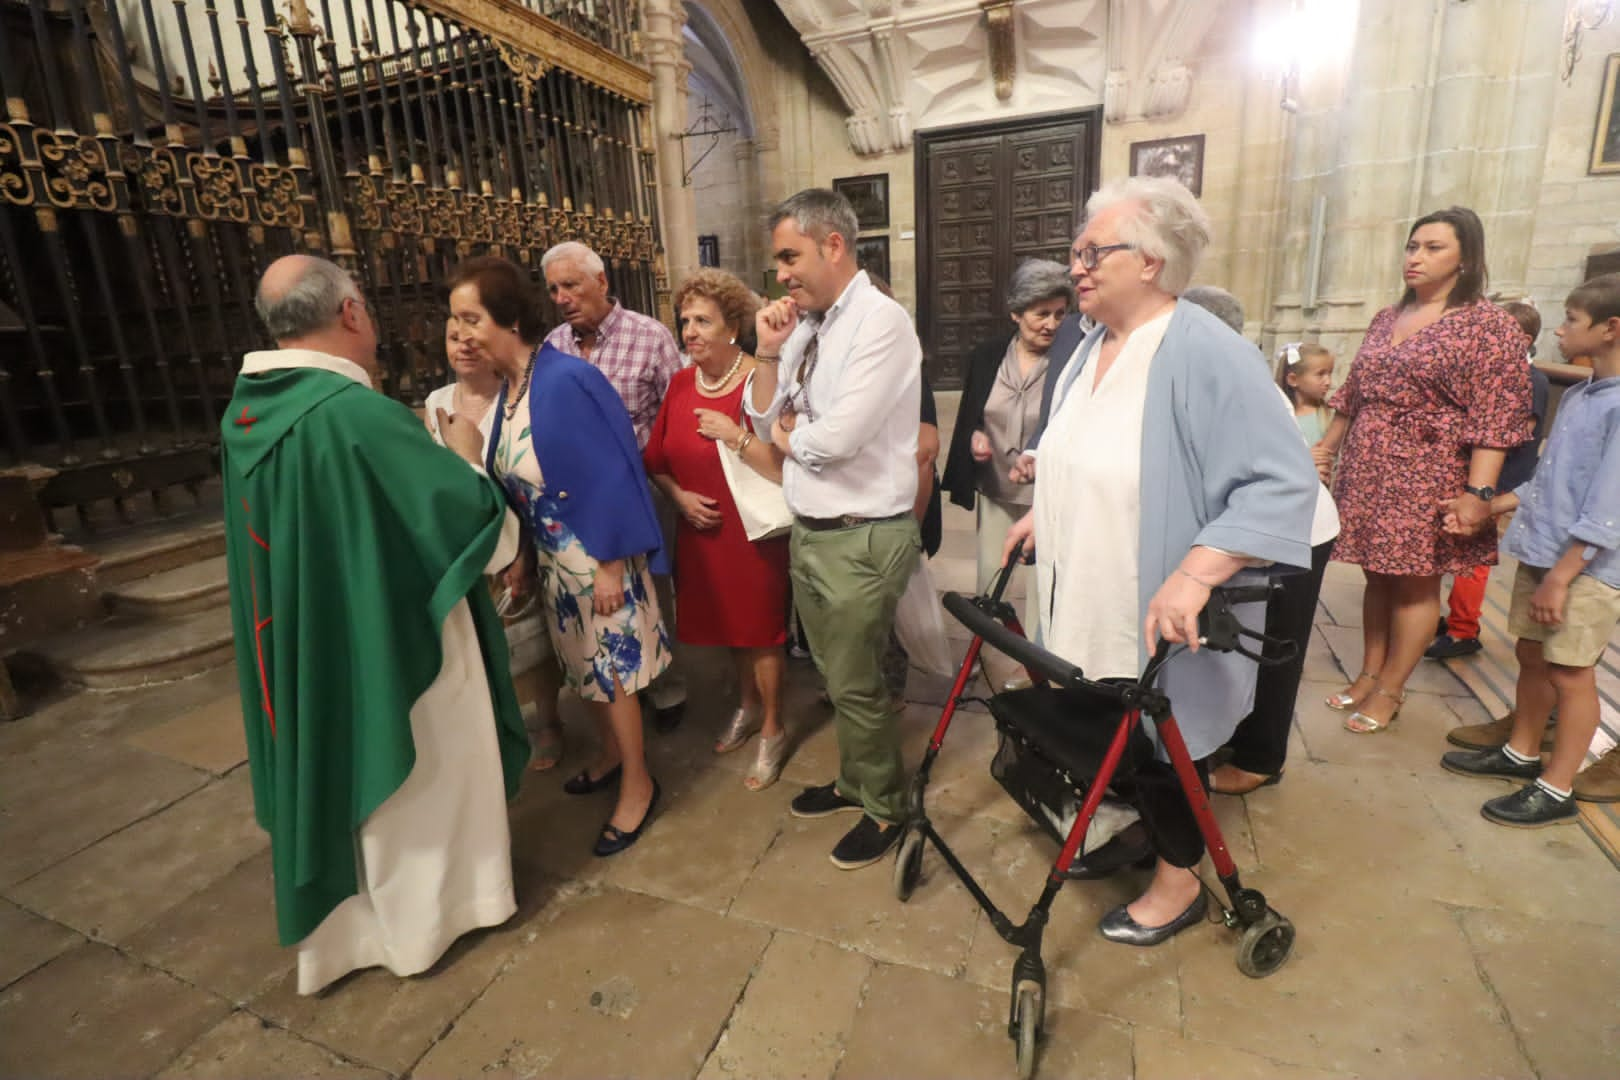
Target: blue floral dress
(630, 643)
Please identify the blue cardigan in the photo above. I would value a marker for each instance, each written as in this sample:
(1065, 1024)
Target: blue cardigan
(587, 453)
(1223, 466)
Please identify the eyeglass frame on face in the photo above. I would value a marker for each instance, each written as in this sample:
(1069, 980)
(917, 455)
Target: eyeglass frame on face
(1091, 256)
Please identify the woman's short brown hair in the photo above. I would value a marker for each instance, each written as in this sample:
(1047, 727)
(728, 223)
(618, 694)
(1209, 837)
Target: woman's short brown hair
(736, 303)
(505, 291)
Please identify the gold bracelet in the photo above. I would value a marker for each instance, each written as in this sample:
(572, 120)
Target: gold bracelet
(742, 442)
(771, 359)
(1200, 580)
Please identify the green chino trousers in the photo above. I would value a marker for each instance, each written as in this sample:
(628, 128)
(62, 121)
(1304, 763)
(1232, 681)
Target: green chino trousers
(846, 586)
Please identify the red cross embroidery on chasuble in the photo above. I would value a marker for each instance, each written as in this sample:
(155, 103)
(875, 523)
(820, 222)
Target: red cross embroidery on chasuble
(245, 421)
(258, 623)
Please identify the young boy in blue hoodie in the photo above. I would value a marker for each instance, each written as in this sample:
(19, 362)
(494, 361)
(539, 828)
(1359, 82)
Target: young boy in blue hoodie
(1566, 595)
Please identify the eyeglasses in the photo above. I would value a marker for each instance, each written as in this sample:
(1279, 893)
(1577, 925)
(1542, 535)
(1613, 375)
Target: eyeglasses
(1091, 255)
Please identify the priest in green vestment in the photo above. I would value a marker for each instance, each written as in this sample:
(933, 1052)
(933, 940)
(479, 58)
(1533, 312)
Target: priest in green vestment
(383, 736)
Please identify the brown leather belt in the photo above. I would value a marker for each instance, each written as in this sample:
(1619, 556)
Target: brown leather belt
(848, 521)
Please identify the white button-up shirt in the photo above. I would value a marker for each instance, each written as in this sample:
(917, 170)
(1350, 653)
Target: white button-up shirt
(855, 448)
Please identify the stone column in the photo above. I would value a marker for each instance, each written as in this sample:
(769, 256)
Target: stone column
(663, 22)
(750, 214)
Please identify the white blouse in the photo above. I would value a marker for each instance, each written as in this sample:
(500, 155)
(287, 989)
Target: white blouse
(1088, 512)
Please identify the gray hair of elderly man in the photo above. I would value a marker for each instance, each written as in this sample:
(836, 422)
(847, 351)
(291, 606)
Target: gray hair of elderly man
(1218, 302)
(310, 303)
(1168, 224)
(575, 252)
(1036, 281)
(818, 212)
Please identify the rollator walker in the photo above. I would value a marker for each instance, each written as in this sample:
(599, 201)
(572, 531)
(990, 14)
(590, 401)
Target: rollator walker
(1066, 739)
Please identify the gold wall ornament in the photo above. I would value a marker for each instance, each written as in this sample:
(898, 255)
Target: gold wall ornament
(998, 22)
(275, 196)
(528, 70)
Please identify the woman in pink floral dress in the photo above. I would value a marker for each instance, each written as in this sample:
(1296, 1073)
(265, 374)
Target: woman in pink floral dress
(1438, 393)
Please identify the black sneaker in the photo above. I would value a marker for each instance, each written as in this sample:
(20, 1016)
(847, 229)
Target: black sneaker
(1530, 808)
(1489, 763)
(1446, 647)
(814, 802)
(865, 844)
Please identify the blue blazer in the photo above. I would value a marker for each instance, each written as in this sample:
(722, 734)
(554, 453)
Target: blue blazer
(587, 452)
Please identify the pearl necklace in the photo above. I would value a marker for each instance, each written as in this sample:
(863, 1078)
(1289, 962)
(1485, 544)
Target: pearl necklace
(724, 379)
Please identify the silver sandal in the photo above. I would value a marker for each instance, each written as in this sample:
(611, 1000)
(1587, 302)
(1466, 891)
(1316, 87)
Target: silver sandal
(744, 723)
(1345, 702)
(767, 767)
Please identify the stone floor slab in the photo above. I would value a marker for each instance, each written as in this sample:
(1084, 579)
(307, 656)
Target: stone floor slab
(793, 1020)
(1557, 981)
(1372, 831)
(1412, 745)
(29, 941)
(704, 843)
(63, 794)
(797, 888)
(626, 985)
(918, 1024)
(382, 1020)
(222, 939)
(242, 1045)
(94, 1013)
(1387, 990)
(1164, 1055)
(209, 737)
(127, 880)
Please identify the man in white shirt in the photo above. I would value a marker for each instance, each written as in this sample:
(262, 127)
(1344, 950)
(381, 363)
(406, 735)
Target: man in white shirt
(839, 385)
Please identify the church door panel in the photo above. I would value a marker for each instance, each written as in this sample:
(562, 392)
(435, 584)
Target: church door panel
(991, 196)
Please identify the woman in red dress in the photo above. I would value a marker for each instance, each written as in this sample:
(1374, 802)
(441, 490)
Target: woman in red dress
(1436, 397)
(729, 590)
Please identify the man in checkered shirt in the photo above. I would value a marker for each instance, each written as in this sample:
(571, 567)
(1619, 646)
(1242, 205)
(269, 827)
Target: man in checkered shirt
(637, 353)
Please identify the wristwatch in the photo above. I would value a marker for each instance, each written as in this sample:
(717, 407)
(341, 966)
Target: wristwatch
(1486, 493)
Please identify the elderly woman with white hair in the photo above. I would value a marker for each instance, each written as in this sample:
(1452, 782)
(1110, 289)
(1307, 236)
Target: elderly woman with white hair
(1165, 468)
(1001, 407)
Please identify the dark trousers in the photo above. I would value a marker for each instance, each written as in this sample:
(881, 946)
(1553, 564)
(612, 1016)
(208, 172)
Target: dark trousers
(1260, 743)
(1156, 792)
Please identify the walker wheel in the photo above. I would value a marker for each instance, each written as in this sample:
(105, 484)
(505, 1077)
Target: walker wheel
(1265, 945)
(1027, 1027)
(908, 865)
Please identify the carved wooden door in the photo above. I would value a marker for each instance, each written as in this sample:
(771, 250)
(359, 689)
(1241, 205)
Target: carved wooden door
(989, 197)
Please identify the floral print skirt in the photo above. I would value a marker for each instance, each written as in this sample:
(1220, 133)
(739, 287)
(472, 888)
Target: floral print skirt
(631, 643)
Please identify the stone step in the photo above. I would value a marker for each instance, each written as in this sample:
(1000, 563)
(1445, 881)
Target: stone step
(159, 546)
(171, 593)
(123, 652)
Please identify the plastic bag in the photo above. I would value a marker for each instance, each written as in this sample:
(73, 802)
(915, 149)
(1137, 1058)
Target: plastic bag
(919, 623)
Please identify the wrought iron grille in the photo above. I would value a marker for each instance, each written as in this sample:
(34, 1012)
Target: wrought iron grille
(156, 155)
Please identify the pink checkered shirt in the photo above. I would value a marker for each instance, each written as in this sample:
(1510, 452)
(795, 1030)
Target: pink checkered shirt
(637, 353)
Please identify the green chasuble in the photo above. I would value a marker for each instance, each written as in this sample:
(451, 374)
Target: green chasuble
(350, 535)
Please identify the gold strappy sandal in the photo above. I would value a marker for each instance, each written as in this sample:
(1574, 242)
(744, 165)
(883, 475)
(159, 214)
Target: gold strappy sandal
(1359, 723)
(1342, 702)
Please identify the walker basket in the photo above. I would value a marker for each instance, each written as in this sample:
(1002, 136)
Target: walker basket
(1052, 743)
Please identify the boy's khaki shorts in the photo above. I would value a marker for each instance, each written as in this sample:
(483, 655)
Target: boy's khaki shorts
(1591, 613)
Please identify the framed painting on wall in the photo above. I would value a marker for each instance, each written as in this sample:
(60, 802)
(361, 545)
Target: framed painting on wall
(1180, 158)
(1606, 139)
(869, 195)
(872, 255)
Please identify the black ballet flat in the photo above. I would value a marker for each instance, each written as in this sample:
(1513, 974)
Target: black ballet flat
(614, 840)
(582, 784)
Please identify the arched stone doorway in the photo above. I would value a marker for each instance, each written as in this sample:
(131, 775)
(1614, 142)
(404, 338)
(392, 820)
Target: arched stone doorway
(724, 168)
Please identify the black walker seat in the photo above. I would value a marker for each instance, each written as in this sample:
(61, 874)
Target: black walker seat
(1068, 738)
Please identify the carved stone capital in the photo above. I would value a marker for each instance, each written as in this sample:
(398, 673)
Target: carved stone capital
(998, 22)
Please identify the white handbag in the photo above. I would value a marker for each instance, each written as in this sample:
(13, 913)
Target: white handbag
(760, 503)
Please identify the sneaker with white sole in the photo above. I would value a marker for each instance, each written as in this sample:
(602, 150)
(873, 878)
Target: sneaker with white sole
(865, 844)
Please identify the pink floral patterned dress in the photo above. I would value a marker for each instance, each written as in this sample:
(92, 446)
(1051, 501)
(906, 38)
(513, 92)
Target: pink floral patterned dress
(1417, 410)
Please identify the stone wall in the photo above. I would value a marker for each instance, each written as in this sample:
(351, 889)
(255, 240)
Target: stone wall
(1577, 214)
